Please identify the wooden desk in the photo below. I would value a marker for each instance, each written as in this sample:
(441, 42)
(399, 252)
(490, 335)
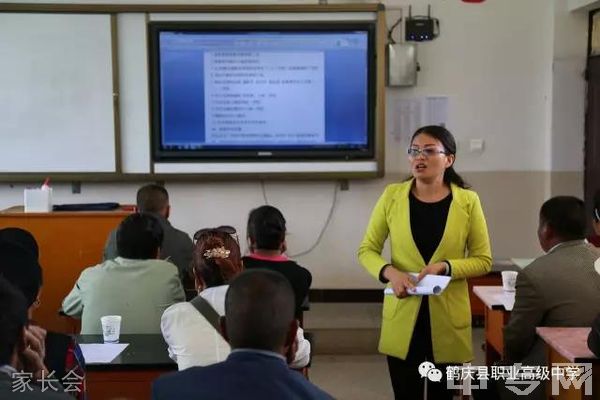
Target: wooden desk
(131, 374)
(494, 278)
(69, 242)
(569, 345)
(498, 305)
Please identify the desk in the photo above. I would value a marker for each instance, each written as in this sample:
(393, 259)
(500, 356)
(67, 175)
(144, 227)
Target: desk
(130, 375)
(569, 345)
(69, 242)
(494, 278)
(498, 305)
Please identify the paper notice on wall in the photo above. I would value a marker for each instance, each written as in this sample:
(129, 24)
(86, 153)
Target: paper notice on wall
(410, 114)
(436, 108)
(407, 117)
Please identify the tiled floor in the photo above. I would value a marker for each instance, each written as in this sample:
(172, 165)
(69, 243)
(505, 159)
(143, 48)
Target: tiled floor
(355, 377)
(365, 377)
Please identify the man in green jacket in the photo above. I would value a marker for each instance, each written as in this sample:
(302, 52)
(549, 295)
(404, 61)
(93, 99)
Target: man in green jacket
(136, 285)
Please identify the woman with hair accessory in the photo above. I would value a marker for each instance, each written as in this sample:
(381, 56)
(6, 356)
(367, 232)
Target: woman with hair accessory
(436, 226)
(191, 329)
(266, 241)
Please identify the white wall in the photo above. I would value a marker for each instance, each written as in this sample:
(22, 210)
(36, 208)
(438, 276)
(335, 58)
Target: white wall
(568, 88)
(495, 61)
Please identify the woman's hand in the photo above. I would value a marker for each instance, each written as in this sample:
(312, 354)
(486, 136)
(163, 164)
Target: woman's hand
(39, 334)
(401, 281)
(32, 355)
(432, 269)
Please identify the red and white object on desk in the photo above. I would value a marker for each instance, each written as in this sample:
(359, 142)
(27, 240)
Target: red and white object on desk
(38, 200)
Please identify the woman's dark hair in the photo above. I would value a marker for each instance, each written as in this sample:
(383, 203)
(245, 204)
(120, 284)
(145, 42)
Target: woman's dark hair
(21, 237)
(13, 317)
(19, 267)
(266, 228)
(445, 137)
(216, 271)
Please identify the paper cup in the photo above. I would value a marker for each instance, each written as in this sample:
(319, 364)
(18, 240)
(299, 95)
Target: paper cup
(111, 328)
(509, 280)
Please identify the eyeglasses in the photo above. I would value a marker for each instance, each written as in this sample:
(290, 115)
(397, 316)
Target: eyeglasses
(227, 229)
(427, 152)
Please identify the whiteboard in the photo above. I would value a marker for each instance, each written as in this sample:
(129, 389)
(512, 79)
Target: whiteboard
(56, 93)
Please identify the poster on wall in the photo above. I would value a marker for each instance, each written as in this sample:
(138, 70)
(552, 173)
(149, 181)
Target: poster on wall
(411, 113)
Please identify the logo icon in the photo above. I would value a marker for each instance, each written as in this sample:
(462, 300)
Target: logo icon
(428, 370)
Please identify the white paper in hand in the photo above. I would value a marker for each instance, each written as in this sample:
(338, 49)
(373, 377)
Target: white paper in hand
(430, 284)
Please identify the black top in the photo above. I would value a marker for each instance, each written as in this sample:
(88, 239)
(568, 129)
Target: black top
(299, 277)
(427, 224)
(57, 346)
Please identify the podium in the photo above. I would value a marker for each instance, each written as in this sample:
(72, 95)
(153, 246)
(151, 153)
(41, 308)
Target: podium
(69, 242)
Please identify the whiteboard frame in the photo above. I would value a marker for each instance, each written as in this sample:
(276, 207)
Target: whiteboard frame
(116, 160)
(376, 170)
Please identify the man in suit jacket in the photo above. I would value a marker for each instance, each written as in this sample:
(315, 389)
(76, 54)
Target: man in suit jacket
(176, 246)
(260, 326)
(21, 352)
(560, 288)
(137, 286)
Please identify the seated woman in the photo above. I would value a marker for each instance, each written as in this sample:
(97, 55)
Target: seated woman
(191, 330)
(266, 240)
(19, 266)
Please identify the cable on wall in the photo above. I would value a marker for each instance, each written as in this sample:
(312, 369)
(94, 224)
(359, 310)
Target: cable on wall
(327, 221)
(264, 192)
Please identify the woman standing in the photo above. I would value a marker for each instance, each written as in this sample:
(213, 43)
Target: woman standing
(436, 226)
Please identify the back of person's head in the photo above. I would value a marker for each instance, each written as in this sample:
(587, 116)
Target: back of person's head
(139, 237)
(13, 318)
(21, 237)
(266, 228)
(566, 216)
(19, 267)
(152, 199)
(259, 310)
(216, 258)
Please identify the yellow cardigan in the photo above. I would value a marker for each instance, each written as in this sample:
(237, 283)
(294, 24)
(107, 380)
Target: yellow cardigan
(465, 244)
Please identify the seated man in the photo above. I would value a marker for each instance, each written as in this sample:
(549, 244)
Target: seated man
(260, 326)
(560, 288)
(137, 286)
(21, 352)
(176, 246)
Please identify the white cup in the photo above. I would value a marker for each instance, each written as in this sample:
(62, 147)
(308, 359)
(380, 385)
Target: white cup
(509, 280)
(111, 328)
